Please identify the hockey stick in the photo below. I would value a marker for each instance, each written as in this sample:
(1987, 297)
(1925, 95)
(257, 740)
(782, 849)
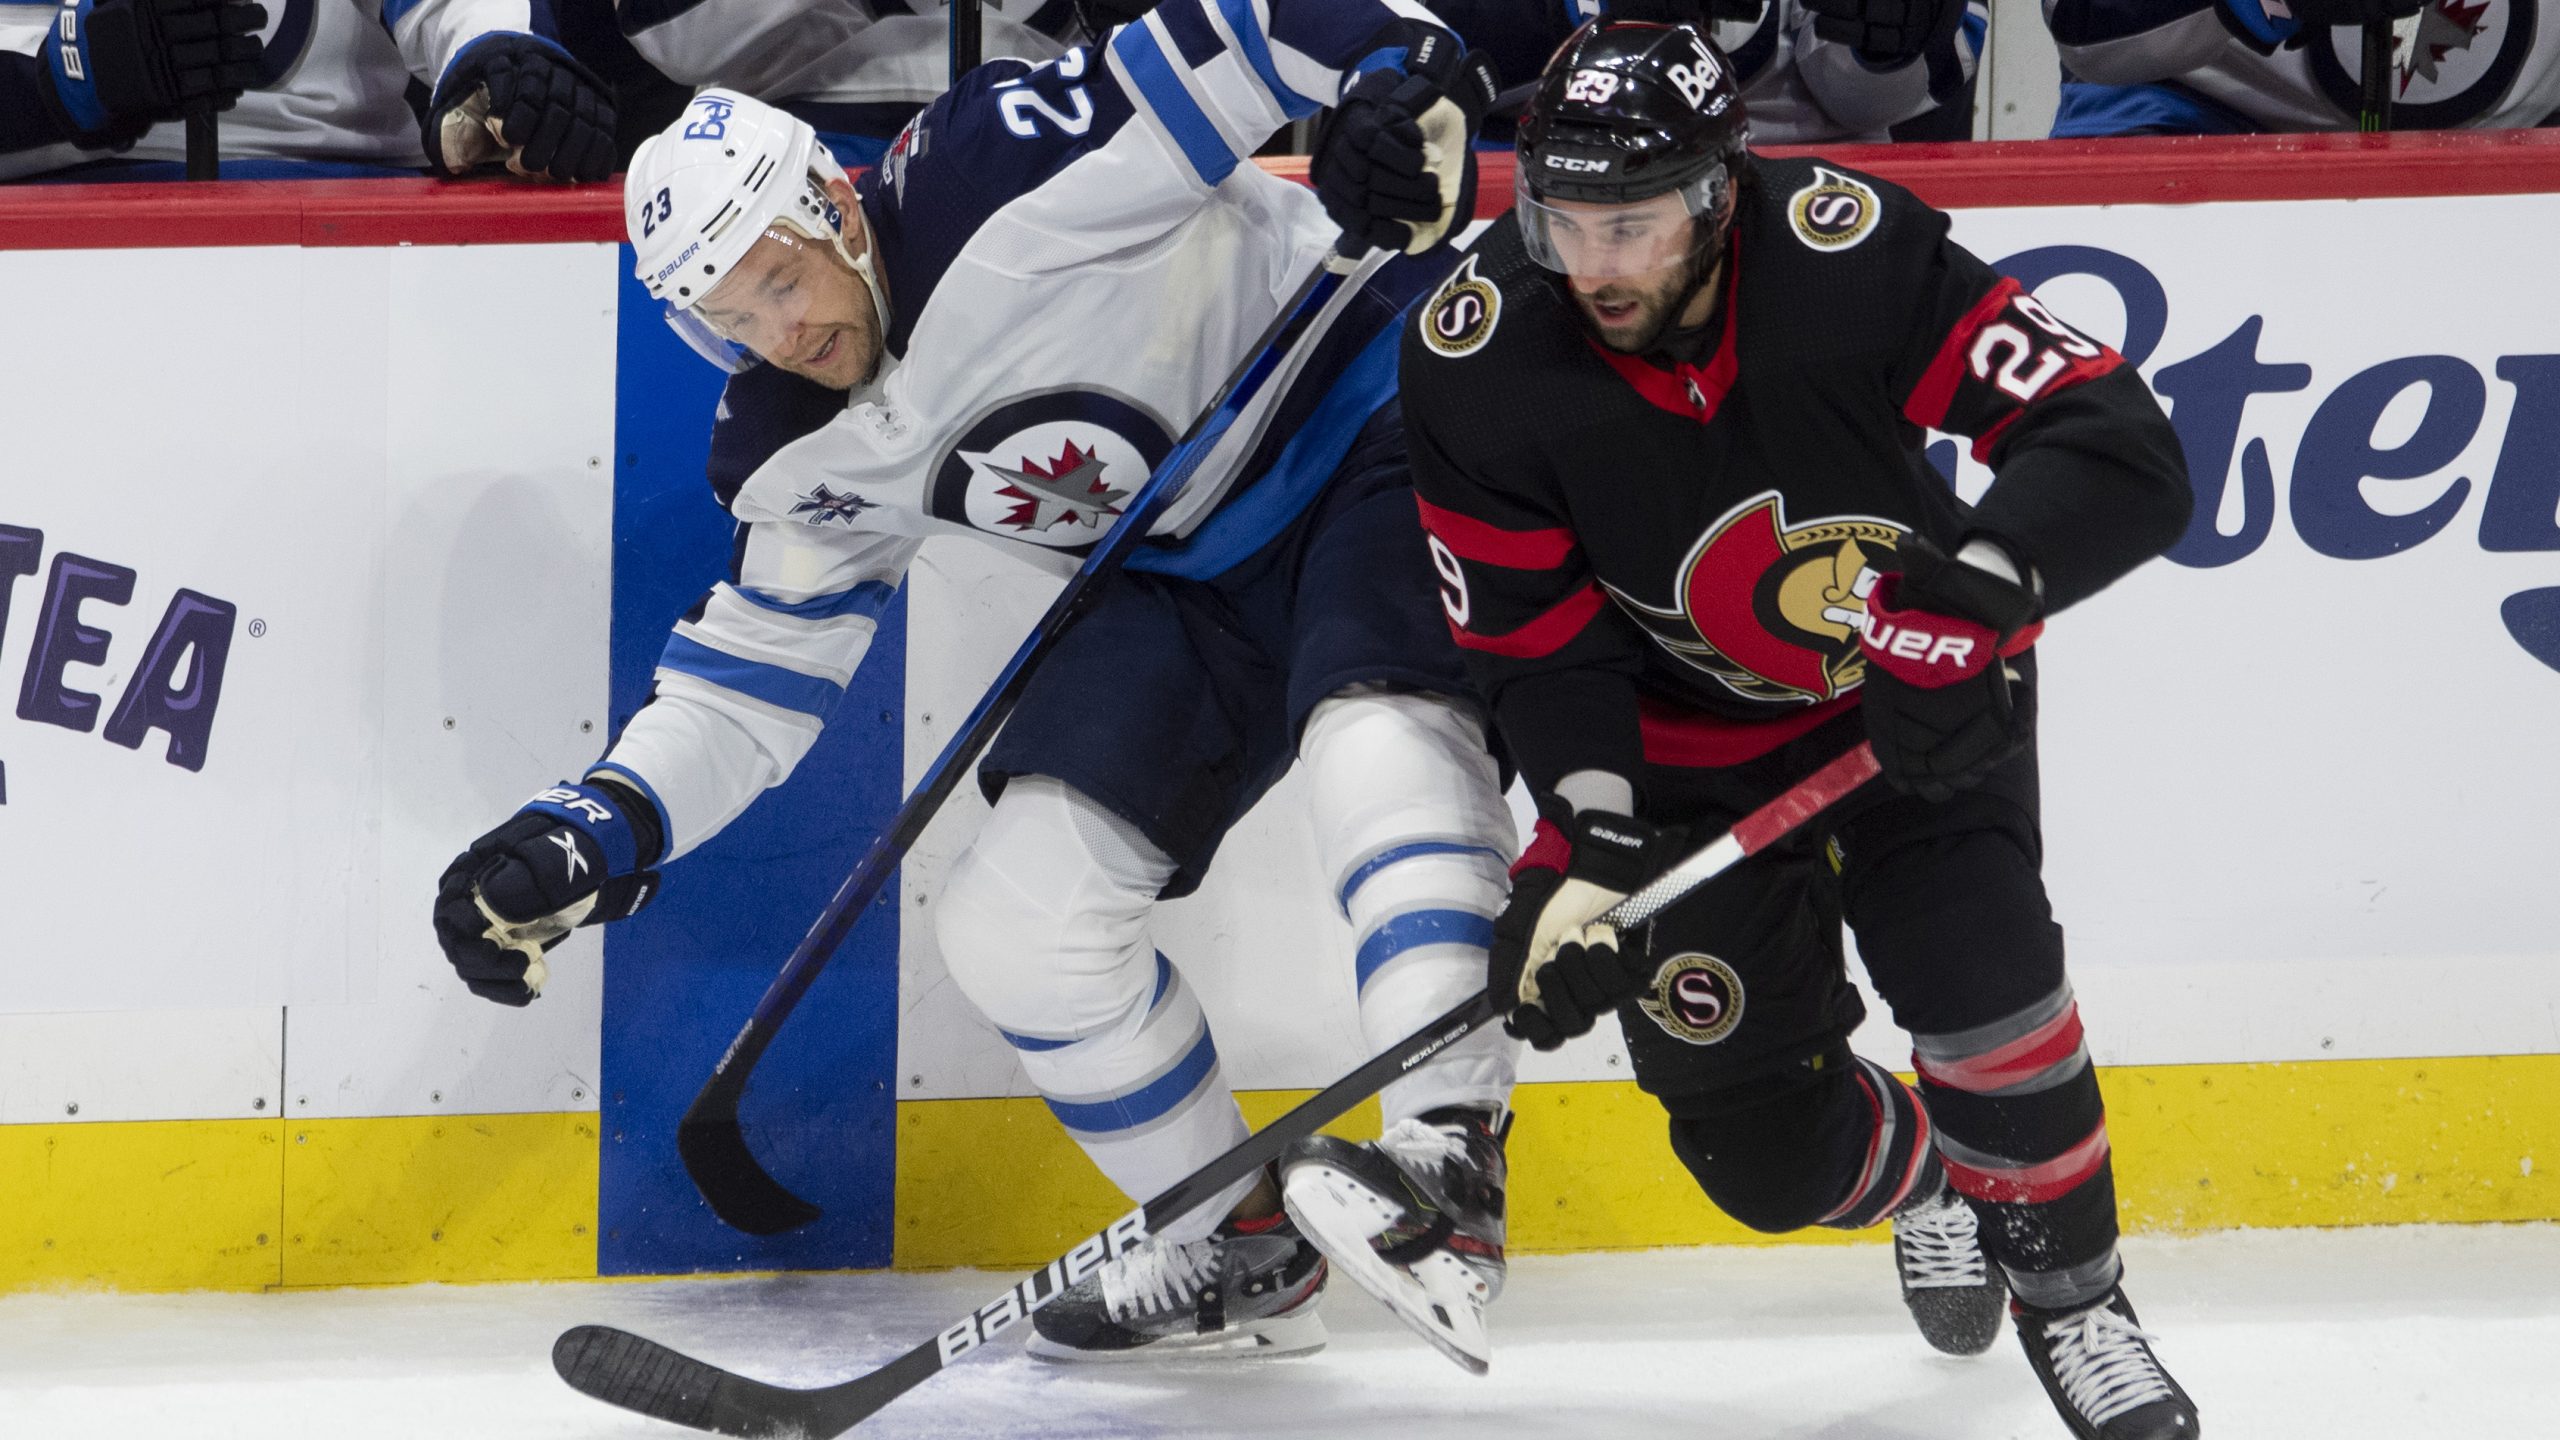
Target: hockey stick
(624, 1369)
(2384, 41)
(740, 1190)
(204, 144)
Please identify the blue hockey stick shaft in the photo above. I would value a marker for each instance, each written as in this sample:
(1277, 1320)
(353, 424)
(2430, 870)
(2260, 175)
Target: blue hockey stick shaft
(737, 1186)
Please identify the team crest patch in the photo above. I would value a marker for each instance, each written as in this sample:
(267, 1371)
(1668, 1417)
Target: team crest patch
(1053, 470)
(1696, 998)
(1772, 608)
(1461, 317)
(1834, 212)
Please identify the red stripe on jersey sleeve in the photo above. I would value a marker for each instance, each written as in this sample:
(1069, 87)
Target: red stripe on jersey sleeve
(1927, 407)
(1543, 636)
(1473, 539)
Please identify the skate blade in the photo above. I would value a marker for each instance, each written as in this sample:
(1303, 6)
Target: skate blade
(1300, 1332)
(1441, 1299)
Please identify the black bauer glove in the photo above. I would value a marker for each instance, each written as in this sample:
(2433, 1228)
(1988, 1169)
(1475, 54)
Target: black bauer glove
(119, 67)
(1944, 708)
(1557, 969)
(519, 98)
(1395, 164)
(1886, 30)
(574, 855)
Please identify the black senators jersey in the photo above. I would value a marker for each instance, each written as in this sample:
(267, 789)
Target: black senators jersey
(1654, 560)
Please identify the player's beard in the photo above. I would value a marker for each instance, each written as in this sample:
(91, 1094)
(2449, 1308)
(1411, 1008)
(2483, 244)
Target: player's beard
(1656, 303)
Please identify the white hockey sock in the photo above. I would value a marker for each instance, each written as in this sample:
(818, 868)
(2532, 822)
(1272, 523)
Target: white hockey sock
(1043, 925)
(1411, 825)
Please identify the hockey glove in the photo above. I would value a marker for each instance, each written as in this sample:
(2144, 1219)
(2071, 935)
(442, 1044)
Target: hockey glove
(1944, 708)
(1395, 165)
(1558, 967)
(519, 98)
(574, 855)
(118, 67)
(1886, 31)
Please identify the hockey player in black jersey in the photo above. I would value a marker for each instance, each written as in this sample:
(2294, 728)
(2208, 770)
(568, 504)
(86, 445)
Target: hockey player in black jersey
(1665, 422)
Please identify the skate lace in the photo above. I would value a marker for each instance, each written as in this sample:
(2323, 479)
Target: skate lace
(1939, 1248)
(1422, 1147)
(1157, 1276)
(2104, 1369)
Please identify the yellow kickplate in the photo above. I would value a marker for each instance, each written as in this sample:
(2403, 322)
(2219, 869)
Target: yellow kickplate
(156, 1205)
(2197, 1147)
(451, 1197)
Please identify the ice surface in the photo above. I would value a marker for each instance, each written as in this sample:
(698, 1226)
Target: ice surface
(2410, 1334)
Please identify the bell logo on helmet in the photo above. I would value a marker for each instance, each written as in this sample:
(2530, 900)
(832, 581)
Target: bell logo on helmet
(714, 124)
(1696, 81)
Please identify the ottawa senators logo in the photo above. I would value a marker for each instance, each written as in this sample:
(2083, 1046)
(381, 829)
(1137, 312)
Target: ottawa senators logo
(1834, 212)
(1773, 610)
(1461, 317)
(1697, 998)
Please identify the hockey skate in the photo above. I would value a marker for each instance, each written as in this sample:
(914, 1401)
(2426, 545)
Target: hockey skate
(2097, 1365)
(1250, 1288)
(1955, 1294)
(1415, 1219)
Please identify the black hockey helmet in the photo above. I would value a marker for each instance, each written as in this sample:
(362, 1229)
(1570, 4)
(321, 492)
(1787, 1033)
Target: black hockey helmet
(1627, 110)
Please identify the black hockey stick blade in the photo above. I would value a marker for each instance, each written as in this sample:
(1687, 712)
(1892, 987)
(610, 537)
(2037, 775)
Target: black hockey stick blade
(641, 1375)
(747, 1197)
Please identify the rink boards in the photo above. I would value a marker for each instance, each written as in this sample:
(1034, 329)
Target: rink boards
(419, 490)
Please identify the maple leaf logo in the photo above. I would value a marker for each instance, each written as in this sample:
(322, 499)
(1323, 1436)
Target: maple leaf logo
(1069, 489)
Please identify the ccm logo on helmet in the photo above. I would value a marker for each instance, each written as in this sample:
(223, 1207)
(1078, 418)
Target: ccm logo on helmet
(714, 124)
(1576, 164)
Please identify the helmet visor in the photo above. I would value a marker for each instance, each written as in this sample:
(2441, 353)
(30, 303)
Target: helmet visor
(1592, 241)
(759, 307)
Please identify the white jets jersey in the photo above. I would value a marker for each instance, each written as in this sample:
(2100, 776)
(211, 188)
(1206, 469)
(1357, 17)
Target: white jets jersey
(334, 85)
(2475, 64)
(838, 52)
(1077, 256)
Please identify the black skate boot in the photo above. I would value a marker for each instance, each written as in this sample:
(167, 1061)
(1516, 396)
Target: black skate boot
(1248, 1289)
(1955, 1294)
(2097, 1365)
(1414, 1218)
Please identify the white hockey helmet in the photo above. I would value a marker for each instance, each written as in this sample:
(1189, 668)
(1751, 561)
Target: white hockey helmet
(703, 191)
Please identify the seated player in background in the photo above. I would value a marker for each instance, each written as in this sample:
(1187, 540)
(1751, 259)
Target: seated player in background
(856, 73)
(322, 87)
(1665, 423)
(2244, 67)
(997, 334)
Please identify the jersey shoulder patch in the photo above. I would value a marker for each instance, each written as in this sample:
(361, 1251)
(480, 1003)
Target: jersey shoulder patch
(1460, 317)
(1833, 210)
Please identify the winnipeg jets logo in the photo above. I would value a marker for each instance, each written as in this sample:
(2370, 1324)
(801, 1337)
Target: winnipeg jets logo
(1068, 490)
(569, 846)
(2455, 61)
(820, 505)
(1054, 470)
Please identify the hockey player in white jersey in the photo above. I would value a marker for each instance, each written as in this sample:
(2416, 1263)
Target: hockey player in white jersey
(324, 91)
(996, 334)
(856, 72)
(2237, 67)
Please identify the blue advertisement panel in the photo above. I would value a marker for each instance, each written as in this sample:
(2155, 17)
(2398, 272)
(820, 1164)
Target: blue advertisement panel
(682, 976)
